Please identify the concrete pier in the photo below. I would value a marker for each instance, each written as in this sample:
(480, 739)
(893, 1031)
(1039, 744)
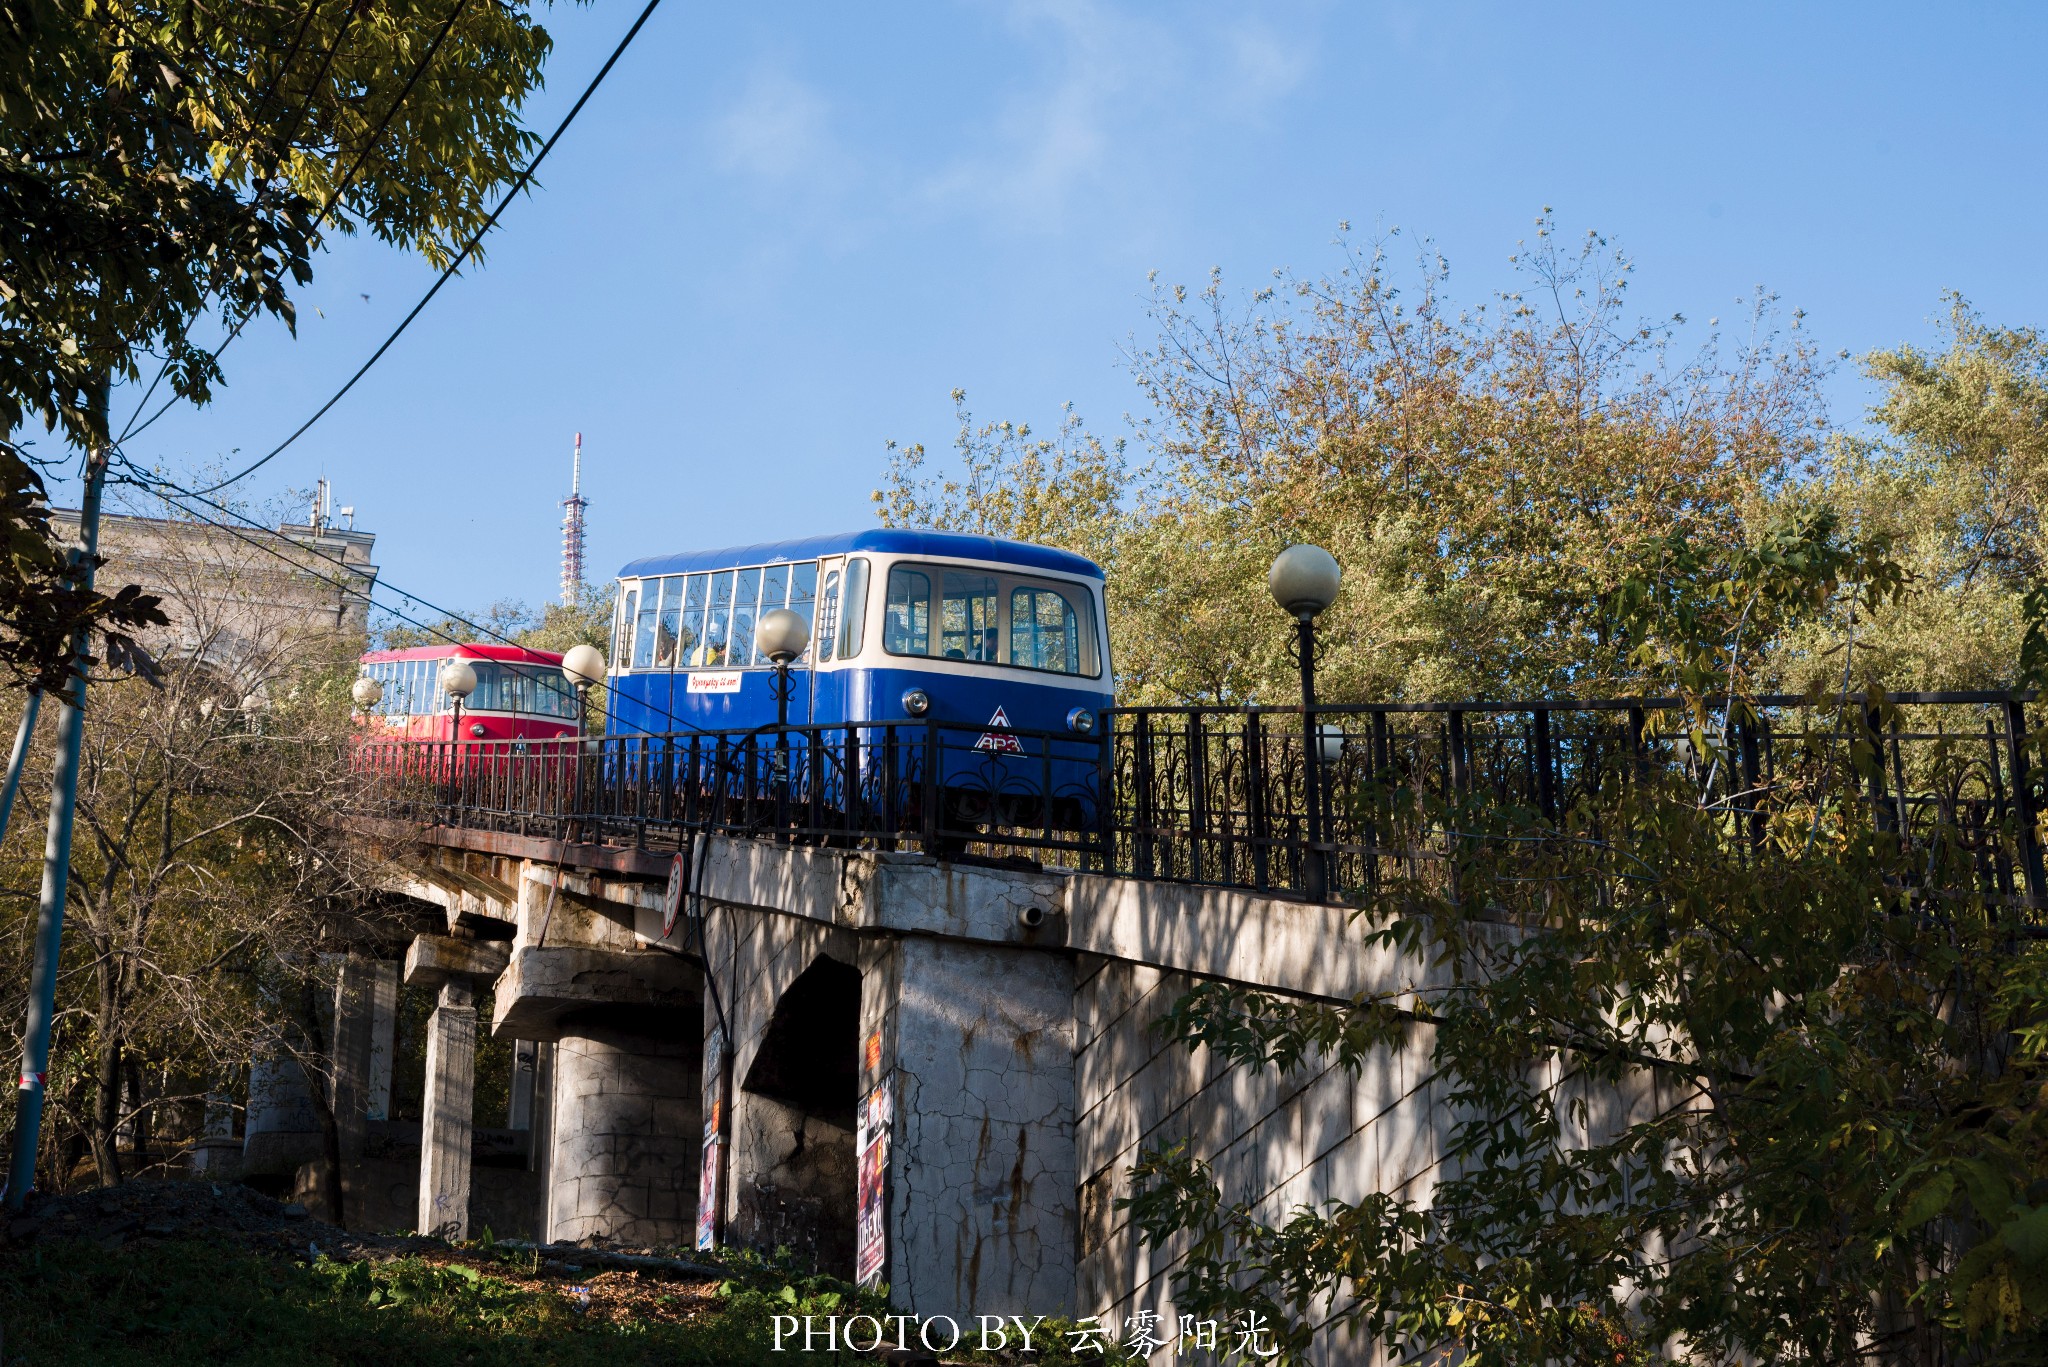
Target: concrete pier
(626, 1131)
(445, 1134)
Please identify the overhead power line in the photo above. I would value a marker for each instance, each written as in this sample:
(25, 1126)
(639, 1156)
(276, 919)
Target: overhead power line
(176, 494)
(333, 199)
(518, 185)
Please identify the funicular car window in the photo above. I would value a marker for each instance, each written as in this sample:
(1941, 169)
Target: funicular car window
(691, 643)
(853, 608)
(622, 632)
(670, 622)
(907, 623)
(1045, 631)
(717, 621)
(967, 618)
(746, 594)
(803, 596)
(828, 615)
(643, 628)
(1041, 625)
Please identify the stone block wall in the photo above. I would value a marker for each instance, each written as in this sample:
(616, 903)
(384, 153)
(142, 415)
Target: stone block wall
(625, 1133)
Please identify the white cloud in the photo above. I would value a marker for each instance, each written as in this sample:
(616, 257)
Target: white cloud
(778, 130)
(1110, 89)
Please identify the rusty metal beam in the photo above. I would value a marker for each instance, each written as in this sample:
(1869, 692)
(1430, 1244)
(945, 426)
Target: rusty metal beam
(616, 860)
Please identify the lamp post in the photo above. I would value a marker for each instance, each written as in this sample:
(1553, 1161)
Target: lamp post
(1304, 582)
(583, 667)
(458, 681)
(782, 636)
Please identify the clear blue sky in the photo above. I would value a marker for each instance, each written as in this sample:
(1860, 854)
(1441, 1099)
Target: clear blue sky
(782, 233)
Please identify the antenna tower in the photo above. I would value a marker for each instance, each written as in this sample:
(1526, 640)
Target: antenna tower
(572, 529)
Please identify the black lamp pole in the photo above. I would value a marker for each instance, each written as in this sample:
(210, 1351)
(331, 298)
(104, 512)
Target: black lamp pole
(1315, 872)
(782, 688)
(1304, 581)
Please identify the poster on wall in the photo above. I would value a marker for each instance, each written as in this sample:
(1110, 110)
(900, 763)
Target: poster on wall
(871, 1142)
(708, 1193)
(707, 1189)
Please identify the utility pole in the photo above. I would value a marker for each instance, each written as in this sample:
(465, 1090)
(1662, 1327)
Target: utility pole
(42, 983)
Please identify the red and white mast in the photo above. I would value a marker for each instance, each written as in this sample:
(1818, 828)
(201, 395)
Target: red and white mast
(572, 529)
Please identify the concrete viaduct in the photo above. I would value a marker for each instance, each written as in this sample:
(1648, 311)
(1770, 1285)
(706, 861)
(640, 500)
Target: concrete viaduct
(936, 1071)
(1004, 1014)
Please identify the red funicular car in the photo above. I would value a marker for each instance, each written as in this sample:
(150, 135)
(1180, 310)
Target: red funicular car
(520, 695)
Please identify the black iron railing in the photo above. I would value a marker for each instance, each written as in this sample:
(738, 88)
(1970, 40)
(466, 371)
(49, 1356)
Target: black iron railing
(1216, 795)
(917, 785)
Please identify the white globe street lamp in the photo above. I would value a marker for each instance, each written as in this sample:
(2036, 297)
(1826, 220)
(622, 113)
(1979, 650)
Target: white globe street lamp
(458, 681)
(583, 667)
(1304, 582)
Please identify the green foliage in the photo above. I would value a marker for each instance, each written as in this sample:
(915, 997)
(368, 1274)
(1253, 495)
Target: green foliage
(1717, 1088)
(160, 161)
(193, 1302)
(41, 610)
(1063, 490)
(1489, 477)
(587, 621)
(1956, 479)
(163, 160)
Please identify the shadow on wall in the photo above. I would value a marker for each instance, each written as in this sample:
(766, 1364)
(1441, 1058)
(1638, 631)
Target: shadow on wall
(797, 1122)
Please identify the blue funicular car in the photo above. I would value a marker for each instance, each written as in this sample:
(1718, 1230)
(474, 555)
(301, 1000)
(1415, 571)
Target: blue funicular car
(999, 647)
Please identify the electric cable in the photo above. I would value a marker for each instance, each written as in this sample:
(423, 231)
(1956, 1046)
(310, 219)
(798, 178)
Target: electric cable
(333, 199)
(157, 485)
(449, 272)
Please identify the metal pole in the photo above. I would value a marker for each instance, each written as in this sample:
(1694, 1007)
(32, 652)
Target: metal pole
(42, 990)
(1315, 877)
(19, 759)
(781, 749)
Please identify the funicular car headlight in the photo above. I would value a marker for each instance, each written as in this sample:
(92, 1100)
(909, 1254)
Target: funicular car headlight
(916, 701)
(1081, 721)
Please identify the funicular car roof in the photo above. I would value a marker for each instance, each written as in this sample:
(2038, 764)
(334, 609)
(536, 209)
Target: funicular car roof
(879, 540)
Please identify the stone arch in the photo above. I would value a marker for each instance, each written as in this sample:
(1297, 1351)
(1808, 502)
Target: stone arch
(802, 1088)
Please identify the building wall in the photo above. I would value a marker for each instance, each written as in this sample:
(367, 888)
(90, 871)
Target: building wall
(240, 592)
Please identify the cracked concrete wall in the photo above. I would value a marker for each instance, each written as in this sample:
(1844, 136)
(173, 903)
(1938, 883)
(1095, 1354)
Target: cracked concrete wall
(969, 1023)
(980, 1044)
(1276, 1142)
(625, 1133)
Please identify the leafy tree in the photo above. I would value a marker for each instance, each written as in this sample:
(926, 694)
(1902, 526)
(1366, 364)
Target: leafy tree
(159, 161)
(587, 621)
(1490, 478)
(208, 877)
(1730, 1074)
(1063, 490)
(1956, 476)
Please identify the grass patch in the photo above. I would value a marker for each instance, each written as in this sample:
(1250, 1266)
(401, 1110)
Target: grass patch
(177, 1302)
(211, 1302)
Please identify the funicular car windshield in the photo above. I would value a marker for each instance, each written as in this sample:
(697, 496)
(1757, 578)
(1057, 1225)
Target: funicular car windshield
(975, 616)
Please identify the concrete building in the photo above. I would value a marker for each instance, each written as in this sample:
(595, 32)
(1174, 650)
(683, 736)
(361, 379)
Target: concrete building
(238, 592)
